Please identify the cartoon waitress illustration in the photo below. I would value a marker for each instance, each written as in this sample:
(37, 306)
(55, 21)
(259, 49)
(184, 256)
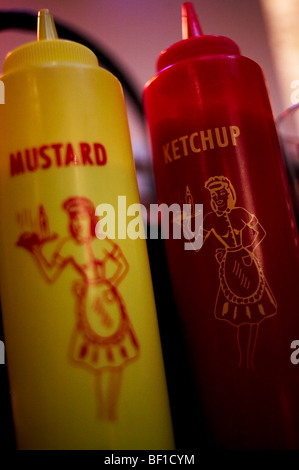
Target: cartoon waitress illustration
(103, 339)
(244, 297)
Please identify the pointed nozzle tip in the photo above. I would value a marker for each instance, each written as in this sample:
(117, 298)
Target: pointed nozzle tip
(190, 24)
(46, 28)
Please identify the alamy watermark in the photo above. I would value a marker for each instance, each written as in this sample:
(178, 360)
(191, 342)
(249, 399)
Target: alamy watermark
(127, 222)
(295, 354)
(2, 93)
(2, 353)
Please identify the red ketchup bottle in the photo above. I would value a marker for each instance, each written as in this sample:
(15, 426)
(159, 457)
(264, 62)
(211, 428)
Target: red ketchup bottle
(236, 286)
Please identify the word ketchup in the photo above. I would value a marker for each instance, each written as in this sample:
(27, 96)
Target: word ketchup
(214, 143)
(81, 332)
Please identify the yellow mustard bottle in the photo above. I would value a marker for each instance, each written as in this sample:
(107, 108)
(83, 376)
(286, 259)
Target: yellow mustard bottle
(81, 334)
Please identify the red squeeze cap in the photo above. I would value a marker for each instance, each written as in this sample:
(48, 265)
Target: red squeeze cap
(194, 42)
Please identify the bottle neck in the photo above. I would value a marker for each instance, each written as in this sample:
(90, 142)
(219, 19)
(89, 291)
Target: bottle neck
(56, 51)
(195, 48)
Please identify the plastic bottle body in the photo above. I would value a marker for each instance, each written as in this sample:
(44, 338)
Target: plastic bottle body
(212, 134)
(74, 306)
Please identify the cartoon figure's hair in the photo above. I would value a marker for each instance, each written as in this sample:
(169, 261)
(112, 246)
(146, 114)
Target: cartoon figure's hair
(75, 205)
(217, 182)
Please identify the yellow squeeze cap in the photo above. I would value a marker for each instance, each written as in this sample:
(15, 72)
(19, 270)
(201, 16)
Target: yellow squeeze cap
(48, 49)
(46, 28)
